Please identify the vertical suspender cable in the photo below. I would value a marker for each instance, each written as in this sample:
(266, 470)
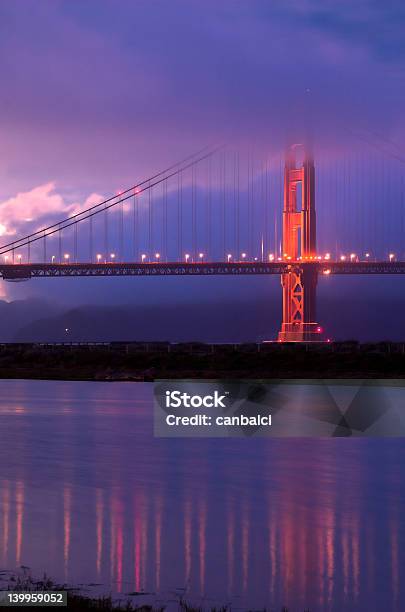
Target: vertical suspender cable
(276, 214)
(384, 225)
(178, 214)
(195, 215)
(401, 237)
(235, 209)
(192, 212)
(207, 212)
(238, 205)
(248, 208)
(252, 208)
(90, 239)
(210, 255)
(121, 229)
(105, 232)
(267, 212)
(264, 211)
(224, 205)
(135, 228)
(181, 216)
(150, 237)
(165, 245)
(163, 254)
(75, 242)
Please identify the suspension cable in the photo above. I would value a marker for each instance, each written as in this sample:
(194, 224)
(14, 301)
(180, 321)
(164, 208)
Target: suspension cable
(106, 204)
(109, 202)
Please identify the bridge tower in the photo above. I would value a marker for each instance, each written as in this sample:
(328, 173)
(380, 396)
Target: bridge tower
(299, 246)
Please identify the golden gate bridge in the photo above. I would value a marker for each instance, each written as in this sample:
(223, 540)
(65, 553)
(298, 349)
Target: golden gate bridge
(198, 218)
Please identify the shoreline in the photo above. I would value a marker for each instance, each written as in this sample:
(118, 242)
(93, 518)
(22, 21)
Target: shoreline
(77, 600)
(146, 362)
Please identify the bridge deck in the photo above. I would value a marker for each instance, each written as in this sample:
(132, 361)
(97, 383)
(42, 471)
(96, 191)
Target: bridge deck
(16, 272)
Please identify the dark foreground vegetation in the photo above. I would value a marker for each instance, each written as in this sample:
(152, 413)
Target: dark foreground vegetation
(77, 602)
(148, 361)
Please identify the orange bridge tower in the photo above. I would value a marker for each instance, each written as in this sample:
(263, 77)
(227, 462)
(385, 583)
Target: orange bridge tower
(299, 247)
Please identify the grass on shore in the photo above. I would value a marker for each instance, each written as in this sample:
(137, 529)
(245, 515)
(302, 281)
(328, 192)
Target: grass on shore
(77, 602)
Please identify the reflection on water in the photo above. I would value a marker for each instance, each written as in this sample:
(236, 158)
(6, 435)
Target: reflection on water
(88, 495)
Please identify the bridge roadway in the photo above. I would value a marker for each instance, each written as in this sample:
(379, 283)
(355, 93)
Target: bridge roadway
(22, 271)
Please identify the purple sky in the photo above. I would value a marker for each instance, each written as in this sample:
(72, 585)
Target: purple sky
(97, 94)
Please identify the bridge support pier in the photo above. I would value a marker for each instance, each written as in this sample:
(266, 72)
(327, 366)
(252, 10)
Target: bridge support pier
(299, 305)
(299, 246)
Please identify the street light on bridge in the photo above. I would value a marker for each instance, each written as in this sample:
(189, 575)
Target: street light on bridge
(143, 257)
(98, 257)
(157, 256)
(392, 256)
(66, 256)
(187, 257)
(229, 257)
(201, 256)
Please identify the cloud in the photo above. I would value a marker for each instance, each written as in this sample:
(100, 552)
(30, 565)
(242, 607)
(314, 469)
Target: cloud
(30, 210)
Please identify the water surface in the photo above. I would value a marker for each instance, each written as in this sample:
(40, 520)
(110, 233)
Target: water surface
(88, 495)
